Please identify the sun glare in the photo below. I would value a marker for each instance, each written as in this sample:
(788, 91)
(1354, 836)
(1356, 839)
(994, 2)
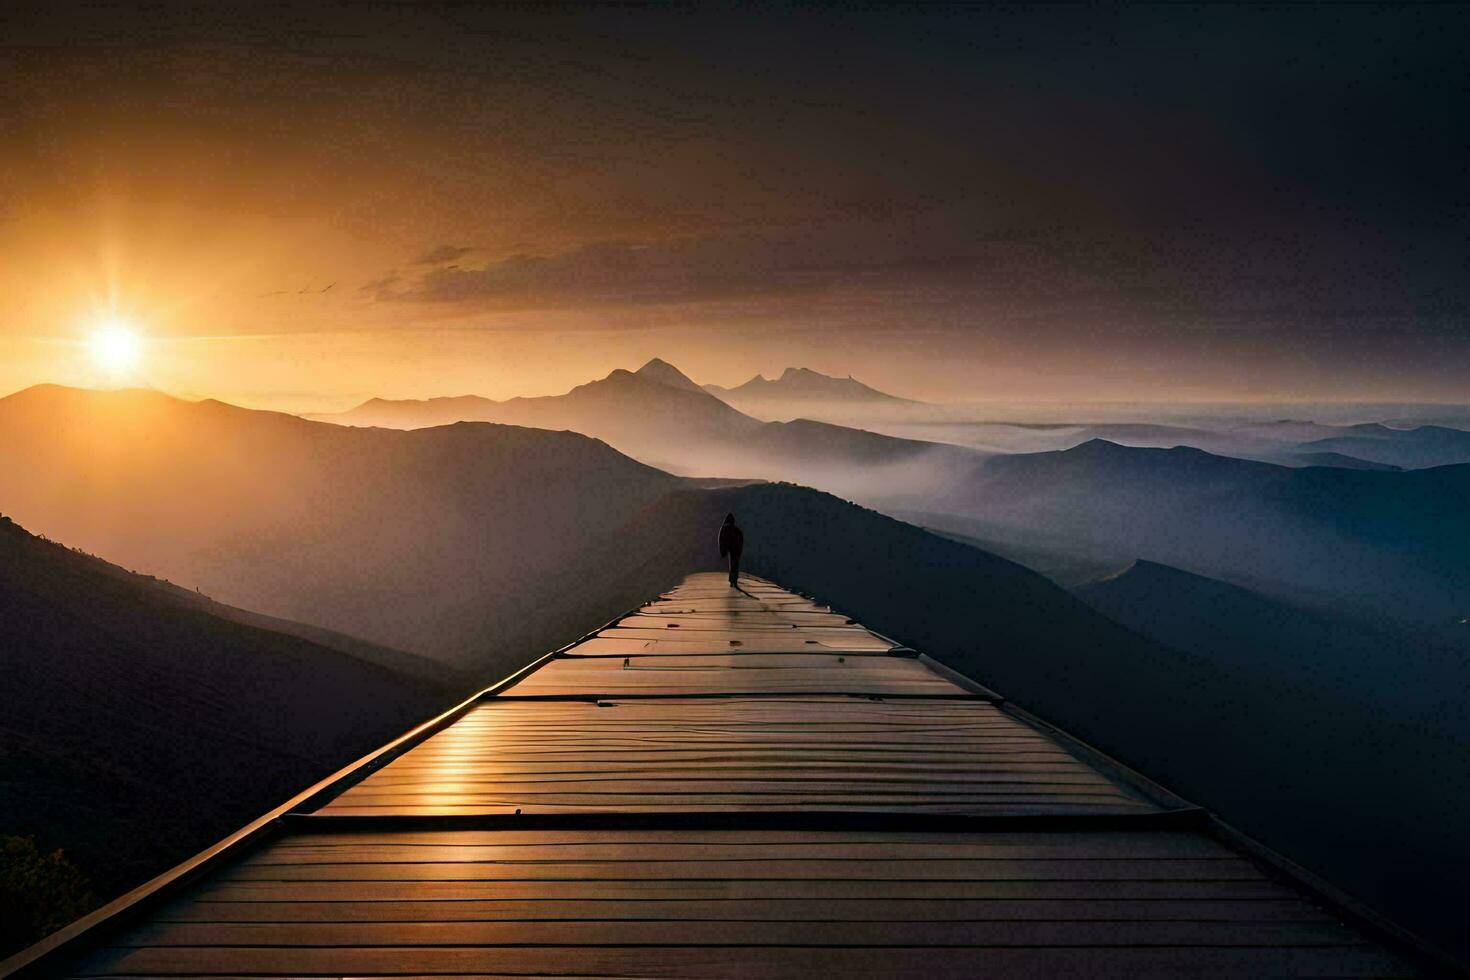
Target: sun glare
(115, 346)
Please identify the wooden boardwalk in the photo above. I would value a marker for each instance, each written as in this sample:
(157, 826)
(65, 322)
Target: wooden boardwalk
(726, 784)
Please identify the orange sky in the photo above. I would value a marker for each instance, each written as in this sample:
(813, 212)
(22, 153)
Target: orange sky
(857, 194)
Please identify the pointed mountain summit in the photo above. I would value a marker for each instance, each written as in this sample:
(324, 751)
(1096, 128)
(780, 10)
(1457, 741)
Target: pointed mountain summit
(666, 374)
(803, 384)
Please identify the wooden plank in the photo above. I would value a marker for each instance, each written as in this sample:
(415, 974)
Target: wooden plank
(803, 622)
(845, 799)
(766, 618)
(859, 761)
(771, 760)
(836, 703)
(766, 932)
(755, 869)
(928, 788)
(718, 675)
(736, 781)
(691, 631)
(830, 760)
(392, 852)
(1129, 844)
(743, 754)
(671, 806)
(647, 643)
(715, 736)
(769, 909)
(736, 889)
(755, 661)
(771, 961)
(907, 738)
(1114, 843)
(710, 604)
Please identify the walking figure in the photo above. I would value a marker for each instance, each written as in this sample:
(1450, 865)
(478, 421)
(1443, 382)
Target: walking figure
(732, 542)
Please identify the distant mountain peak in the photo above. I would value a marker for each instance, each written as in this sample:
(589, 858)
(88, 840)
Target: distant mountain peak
(801, 373)
(665, 373)
(1096, 446)
(804, 384)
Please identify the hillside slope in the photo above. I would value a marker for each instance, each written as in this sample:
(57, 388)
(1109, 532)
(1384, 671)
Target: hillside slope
(1377, 719)
(123, 695)
(418, 540)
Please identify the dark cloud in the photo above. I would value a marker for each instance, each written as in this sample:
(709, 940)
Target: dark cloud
(1053, 278)
(442, 254)
(863, 258)
(601, 273)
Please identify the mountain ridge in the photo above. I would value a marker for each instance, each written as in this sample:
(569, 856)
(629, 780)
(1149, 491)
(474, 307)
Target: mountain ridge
(799, 383)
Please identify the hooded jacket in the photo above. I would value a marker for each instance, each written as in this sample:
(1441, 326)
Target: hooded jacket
(732, 539)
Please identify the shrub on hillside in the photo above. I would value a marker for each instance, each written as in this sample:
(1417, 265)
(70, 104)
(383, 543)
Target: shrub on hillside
(39, 892)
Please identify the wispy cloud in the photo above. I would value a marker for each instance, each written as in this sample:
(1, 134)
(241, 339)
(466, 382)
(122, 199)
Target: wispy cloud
(380, 288)
(442, 254)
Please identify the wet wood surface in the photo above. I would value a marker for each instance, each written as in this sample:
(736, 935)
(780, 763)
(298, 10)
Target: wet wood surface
(739, 753)
(710, 700)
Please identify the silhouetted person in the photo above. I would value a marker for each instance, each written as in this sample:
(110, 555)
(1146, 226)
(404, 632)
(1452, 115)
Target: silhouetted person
(732, 542)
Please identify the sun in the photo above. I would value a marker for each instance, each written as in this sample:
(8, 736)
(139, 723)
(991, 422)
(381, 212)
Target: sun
(115, 346)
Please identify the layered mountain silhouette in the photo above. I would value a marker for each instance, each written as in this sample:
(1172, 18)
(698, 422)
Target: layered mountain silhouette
(1388, 543)
(1341, 461)
(1288, 444)
(660, 416)
(124, 695)
(1422, 446)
